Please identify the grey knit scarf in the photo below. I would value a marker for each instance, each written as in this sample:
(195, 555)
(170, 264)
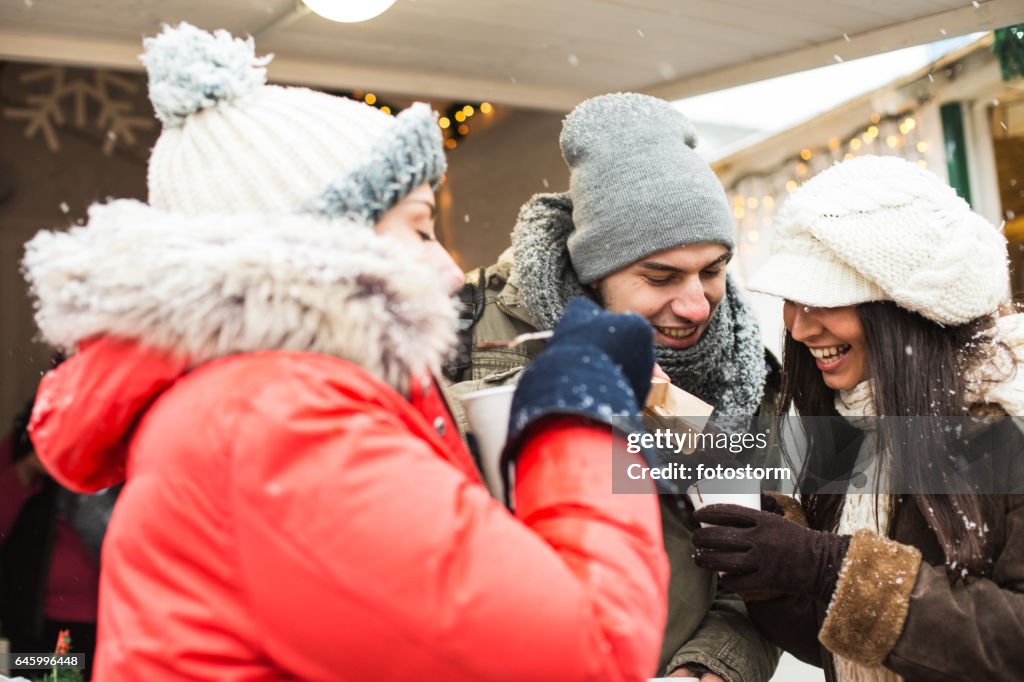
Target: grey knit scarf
(726, 368)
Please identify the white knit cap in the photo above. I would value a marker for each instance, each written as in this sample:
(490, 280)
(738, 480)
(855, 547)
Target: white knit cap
(884, 229)
(232, 144)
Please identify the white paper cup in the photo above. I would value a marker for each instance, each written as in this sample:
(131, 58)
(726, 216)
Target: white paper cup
(745, 493)
(487, 414)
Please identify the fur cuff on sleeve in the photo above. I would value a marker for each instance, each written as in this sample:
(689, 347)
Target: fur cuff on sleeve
(791, 508)
(869, 606)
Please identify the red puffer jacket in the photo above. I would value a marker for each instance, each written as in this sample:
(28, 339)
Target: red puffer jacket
(291, 515)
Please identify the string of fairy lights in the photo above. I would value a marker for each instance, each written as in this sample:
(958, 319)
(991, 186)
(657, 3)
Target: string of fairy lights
(454, 121)
(755, 195)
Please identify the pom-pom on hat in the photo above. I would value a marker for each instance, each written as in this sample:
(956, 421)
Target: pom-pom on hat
(884, 229)
(233, 144)
(637, 185)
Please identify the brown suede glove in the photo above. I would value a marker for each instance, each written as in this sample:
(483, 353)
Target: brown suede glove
(760, 551)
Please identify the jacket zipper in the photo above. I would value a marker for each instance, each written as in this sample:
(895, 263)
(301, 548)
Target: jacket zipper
(830, 669)
(508, 311)
(827, 659)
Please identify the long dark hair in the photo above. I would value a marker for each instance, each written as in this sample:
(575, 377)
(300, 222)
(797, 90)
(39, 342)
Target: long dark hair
(918, 369)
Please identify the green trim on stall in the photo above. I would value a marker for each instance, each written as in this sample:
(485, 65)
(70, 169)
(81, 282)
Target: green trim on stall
(956, 148)
(1008, 46)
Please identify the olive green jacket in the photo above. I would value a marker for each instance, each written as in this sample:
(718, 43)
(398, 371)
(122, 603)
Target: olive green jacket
(705, 625)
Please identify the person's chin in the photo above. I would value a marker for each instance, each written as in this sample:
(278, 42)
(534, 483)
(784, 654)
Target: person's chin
(839, 383)
(676, 339)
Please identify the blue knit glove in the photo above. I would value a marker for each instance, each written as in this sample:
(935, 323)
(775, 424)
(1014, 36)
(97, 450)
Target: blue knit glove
(597, 365)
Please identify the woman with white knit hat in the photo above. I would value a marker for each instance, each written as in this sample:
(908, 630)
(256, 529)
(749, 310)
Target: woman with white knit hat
(896, 305)
(254, 352)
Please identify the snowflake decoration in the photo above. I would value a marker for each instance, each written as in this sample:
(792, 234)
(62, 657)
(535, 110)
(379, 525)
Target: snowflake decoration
(45, 111)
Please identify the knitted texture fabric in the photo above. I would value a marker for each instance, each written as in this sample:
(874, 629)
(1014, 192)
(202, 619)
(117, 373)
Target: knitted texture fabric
(406, 158)
(637, 185)
(726, 368)
(233, 144)
(884, 229)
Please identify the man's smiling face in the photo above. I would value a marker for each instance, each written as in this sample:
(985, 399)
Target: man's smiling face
(677, 290)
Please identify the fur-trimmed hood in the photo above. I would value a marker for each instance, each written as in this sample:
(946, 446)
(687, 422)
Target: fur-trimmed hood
(210, 286)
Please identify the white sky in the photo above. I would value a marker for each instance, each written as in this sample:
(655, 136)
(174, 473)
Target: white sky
(779, 103)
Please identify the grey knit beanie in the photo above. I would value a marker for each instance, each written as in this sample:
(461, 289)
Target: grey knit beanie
(637, 185)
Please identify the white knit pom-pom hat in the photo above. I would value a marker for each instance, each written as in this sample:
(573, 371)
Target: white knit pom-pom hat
(233, 144)
(884, 229)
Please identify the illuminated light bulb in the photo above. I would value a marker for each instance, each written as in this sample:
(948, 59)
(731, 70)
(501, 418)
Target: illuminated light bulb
(450, 143)
(463, 129)
(767, 201)
(739, 212)
(738, 200)
(444, 122)
(459, 116)
(875, 118)
(873, 131)
(910, 123)
(791, 185)
(349, 11)
(801, 169)
(386, 109)
(855, 144)
(868, 139)
(805, 154)
(468, 110)
(847, 156)
(904, 129)
(370, 98)
(833, 144)
(753, 236)
(892, 141)
(486, 108)
(922, 146)
(922, 163)
(752, 203)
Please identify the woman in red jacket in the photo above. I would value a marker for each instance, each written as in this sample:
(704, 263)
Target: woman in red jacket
(298, 504)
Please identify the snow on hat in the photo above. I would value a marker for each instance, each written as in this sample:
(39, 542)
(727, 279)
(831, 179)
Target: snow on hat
(884, 229)
(637, 185)
(233, 144)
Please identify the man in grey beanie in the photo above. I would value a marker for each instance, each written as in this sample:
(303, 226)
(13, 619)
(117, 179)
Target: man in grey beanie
(645, 227)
